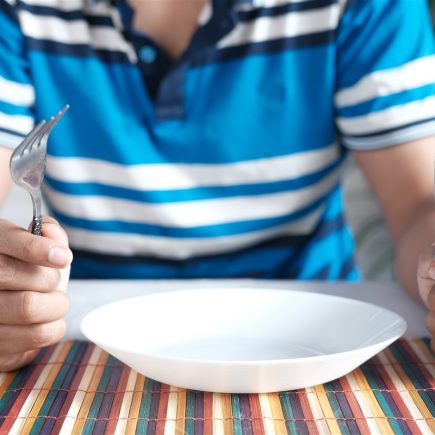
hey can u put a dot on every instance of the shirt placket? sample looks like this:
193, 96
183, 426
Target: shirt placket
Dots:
165, 79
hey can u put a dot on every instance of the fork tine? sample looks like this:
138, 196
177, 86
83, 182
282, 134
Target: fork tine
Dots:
29, 138
43, 137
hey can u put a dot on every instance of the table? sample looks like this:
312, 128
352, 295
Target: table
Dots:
75, 387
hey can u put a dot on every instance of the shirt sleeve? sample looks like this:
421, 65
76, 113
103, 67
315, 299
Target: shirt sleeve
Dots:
17, 94
385, 91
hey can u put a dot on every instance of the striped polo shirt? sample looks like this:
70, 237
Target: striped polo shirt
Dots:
225, 162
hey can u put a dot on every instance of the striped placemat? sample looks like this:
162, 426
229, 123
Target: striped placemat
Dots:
75, 387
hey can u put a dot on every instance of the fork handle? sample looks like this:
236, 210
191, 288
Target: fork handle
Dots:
37, 225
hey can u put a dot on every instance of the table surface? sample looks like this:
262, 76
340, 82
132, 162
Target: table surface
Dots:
75, 387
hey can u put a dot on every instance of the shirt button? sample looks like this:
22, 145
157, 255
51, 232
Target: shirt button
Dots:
147, 54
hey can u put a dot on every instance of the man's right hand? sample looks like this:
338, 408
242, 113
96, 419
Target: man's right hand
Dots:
32, 305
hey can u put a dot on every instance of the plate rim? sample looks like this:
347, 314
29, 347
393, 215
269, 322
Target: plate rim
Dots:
383, 343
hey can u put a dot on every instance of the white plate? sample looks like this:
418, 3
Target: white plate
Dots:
242, 340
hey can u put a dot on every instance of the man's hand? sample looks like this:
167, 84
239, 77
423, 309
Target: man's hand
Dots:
32, 305
426, 286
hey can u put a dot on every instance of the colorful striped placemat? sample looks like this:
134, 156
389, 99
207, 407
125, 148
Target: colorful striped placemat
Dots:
75, 387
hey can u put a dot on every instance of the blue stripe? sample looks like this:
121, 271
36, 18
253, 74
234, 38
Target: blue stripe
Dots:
256, 48
201, 58
182, 195
15, 133
323, 230
82, 50
392, 130
283, 9
388, 101
12, 109
205, 231
273, 259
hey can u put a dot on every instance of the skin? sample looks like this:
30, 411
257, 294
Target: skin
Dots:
31, 306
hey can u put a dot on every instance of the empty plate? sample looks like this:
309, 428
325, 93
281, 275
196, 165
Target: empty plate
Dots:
242, 340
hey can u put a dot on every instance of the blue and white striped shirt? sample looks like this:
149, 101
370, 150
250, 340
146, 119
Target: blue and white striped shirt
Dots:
226, 162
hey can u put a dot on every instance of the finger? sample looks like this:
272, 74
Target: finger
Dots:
18, 243
27, 308
16, 361
52, 230
18, 339
18, 275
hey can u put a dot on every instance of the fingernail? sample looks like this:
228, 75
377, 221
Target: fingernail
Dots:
59, 256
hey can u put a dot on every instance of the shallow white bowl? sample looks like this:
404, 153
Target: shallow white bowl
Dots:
242, 340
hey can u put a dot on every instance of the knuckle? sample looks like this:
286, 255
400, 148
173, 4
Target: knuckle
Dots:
46, 219
30, 246
41, 335
45, 334
50, 278
8, 270
28, 307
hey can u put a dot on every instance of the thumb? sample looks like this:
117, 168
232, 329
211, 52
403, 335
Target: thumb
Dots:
52, 230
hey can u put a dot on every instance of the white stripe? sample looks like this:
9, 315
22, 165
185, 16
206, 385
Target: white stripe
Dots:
79, 397
72, 32
218, 414
266, 413
171, 413
390, 139
9, 140
182, 176
62, 5
126, 403
419, 72
316, 409
174, 248
283, 26
188, 214
16, 93
19, 123
272, 3
389, 118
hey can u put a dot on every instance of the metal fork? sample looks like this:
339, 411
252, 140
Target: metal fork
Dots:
27, 165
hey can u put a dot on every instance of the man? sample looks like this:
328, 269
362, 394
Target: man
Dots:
205, 140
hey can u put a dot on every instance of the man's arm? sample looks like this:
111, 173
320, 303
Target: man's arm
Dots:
5, 179
402, 178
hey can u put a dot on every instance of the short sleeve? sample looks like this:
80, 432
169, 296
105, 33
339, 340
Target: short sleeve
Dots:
17, 94
385, 89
